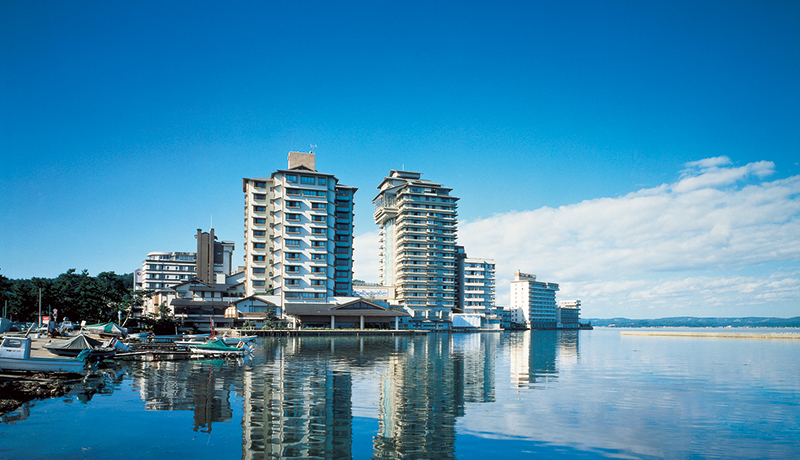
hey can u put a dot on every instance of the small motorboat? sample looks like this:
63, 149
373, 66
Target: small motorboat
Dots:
15, 355
106, 330
217, 347
75, 345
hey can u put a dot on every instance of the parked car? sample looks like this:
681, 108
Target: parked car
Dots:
67, 325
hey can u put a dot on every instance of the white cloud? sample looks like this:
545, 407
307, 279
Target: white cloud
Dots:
365, 257
710, 244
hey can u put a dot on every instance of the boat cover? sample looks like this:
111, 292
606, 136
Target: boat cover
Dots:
216, 345
76, 344
107, 328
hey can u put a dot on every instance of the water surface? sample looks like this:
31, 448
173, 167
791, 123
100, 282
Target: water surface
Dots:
568, 394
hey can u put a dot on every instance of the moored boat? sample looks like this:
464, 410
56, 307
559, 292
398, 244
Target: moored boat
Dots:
75, 345
15, 355
106, 329
217, 347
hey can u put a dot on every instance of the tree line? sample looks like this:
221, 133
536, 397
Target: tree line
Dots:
77, 296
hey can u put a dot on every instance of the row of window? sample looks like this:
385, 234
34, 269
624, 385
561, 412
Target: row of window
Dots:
314, 218
304, 295
307, 179
298, 204
296, 256
179, 268
304, 192
296, 269
296, 282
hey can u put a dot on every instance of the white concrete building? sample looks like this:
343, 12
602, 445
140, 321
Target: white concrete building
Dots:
536, 300
476, 284
166, 269
417, 220
298, 233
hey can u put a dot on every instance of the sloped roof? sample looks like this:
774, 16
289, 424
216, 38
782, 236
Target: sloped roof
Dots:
256, 299
354, 308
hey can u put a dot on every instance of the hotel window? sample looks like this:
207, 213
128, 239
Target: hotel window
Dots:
319, 205
342, 262
259, 258
307, 180
259, 196
318, 218
321, 181
258, 283
260, 208
340, 274
318, 231
317, 269
259, 245
293, 255
317, 256
259, 271
293, 268
293, 217
293, 191
292, 295
318, 244
292, 282
291, 178
292, 204
292, 242
261, 185
292, 229
259, 233
318, 282
258, 220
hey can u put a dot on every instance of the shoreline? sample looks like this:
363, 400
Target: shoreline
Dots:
724, 335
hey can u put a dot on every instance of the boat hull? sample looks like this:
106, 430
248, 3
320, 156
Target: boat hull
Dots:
42, 365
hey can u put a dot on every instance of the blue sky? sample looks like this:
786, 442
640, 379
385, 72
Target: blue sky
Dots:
644, 155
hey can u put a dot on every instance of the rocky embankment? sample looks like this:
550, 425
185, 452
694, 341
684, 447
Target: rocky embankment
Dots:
16, 391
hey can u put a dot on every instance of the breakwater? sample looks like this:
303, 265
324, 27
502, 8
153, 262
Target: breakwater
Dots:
721, 335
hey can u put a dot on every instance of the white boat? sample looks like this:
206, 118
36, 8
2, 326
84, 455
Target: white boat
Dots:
218, 347
105, 329
230, 341
15, 355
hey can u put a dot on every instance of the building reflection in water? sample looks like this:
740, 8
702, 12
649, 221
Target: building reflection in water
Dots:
297, 396
202, 387
297, 406
533, 355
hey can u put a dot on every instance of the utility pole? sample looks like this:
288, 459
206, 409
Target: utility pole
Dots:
40, 308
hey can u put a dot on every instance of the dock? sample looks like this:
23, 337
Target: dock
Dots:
718, 335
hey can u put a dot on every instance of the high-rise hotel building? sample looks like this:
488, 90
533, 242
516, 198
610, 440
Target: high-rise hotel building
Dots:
298, 233
535, 299
417, 220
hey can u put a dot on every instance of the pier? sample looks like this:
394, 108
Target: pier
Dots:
717, 335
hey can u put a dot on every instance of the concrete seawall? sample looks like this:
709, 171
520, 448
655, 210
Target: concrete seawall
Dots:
719, 335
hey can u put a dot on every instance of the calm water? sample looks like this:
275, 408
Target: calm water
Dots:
588, 394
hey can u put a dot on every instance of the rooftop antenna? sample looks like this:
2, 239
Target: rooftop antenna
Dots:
313, 146
212, 221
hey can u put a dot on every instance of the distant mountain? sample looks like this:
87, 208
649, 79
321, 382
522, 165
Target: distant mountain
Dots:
689, 321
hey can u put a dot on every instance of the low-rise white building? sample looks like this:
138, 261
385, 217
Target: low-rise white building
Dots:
568, 314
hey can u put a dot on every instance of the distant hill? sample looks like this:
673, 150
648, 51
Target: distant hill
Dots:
689, 321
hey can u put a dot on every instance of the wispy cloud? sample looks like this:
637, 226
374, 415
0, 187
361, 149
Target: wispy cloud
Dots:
716, 242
